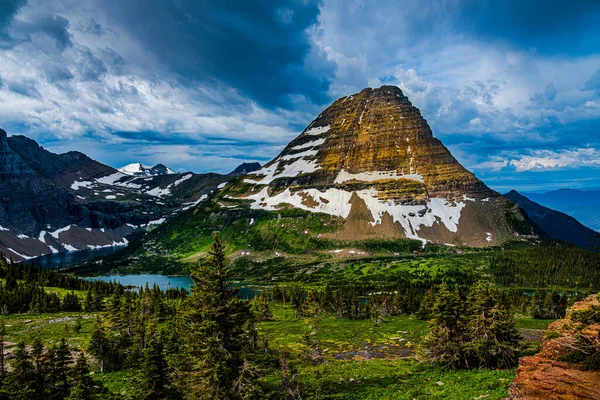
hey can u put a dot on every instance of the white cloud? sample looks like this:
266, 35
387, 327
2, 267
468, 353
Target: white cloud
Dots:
547, 159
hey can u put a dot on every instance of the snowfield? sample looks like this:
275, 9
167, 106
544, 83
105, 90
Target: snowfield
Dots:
336, 202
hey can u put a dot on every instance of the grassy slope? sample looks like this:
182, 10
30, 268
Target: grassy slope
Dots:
345, 375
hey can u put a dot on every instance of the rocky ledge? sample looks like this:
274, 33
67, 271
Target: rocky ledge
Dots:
561, 371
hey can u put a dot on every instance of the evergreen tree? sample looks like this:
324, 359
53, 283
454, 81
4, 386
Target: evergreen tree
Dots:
155, 373
2, 361
426, 305
50, 373
78, 325
538, 308
313, 307
21, 383
99, 345
246, 386
447, 331
71, 302
62, 360
213, 331
37, 353
263, 307
83, 386
88, 303
493, 340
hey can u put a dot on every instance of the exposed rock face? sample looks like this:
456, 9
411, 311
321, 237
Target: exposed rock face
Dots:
371, 158
245, 168
56, 202
544, 376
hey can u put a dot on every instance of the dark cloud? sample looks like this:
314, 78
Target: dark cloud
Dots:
54, 26
23, 87
257, 47
548, 26
593, 84
89, 67
8, 8
548, 95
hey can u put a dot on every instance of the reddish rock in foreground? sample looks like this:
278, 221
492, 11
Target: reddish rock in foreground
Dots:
544, 376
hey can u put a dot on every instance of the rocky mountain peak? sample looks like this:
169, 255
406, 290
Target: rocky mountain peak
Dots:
373, 154
139, 169
246, 167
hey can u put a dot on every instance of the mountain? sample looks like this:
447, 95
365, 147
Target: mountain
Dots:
58, 202
371, 159
365, 179
557, 225
138, 169
245, 168
580, 204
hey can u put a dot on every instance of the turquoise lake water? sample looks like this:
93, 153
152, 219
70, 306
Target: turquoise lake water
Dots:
164, 282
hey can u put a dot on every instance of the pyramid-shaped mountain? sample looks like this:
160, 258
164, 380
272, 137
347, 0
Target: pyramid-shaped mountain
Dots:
371, 159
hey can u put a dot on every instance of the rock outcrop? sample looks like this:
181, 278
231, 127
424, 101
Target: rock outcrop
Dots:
371, 159
552, 374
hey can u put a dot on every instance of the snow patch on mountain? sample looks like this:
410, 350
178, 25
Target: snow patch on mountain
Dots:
372, 176
319, 130
307, 145
139, 169
77, 184
336, 202
272, 172
59, 231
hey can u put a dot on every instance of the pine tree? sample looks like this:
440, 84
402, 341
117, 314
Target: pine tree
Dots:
62, 360
313, 307
99, 345
492, 338
538, 310
37, 352
21, 383
155, 377
447, 331
263, 307
426, 305
82, 385
2, 361
213, 331
88, 303
78, 325
50, 373
71, 302
246, 386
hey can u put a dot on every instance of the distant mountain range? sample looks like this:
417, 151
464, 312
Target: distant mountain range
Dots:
59, 202
557, 225
584, 205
